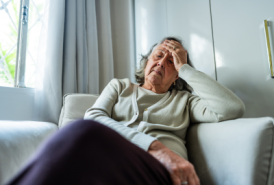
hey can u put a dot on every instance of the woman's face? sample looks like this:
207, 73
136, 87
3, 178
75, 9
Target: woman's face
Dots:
160, 69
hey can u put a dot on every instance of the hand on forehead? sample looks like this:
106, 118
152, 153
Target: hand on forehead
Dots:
163, 49
172, 43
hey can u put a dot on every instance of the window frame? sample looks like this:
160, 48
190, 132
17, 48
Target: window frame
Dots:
20, 67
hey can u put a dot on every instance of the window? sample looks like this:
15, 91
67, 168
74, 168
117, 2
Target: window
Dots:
20, 25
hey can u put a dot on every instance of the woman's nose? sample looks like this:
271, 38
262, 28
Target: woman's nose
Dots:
162, 62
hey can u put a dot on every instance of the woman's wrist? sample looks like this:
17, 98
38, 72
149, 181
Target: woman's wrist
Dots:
156, 145
178, 67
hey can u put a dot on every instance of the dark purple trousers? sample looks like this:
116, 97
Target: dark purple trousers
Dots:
89, 153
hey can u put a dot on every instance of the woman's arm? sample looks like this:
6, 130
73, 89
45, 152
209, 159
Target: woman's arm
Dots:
101, 112
214, 102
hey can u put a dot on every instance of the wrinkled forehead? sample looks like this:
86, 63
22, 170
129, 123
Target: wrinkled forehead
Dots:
160, 48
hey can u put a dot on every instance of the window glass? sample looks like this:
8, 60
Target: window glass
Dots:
9, 19
9, 22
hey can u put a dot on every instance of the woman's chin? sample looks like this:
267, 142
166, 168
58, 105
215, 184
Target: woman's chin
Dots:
155, 81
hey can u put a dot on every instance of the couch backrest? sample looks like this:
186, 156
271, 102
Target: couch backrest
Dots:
75, 106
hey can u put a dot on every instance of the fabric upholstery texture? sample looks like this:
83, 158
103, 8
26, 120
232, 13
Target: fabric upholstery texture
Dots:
75, 106
18, 141
233, 152
237, 151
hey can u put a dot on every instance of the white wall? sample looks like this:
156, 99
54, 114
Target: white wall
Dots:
16, 103
242, 62
188, 20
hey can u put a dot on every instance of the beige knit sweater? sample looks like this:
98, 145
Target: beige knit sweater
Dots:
167, 116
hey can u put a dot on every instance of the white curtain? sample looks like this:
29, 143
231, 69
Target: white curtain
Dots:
69, 53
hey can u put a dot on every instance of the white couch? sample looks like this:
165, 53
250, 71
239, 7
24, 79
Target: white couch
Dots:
18, 141
234, 152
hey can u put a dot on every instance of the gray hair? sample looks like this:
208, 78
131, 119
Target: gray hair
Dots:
140, 73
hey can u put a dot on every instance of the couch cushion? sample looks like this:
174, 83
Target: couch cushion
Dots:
236, 151
18, 141
75, 106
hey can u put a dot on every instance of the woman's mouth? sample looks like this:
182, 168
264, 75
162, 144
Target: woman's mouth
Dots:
157, 72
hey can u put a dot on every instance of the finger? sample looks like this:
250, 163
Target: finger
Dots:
187, 173
192, 177
181, 53
183, 172
183, 177
192, 180
175, 56
172, 46
177, 45
175, 179
170, 49
197, 180
173, 42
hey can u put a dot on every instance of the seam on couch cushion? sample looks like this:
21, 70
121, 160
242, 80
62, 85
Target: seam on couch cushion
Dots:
270, 179
61, 117
62, 112
63, 109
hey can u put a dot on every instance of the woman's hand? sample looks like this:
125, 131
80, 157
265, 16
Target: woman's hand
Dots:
179, 54
180, 169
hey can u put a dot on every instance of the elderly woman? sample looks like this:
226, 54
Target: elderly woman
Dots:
156, 113
153, 115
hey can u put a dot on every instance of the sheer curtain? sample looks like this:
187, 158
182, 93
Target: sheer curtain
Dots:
69, 53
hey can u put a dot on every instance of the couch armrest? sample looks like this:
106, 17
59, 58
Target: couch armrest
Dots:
18, 141
233, 152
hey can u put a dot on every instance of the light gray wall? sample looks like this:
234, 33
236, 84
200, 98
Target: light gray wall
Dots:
16, 103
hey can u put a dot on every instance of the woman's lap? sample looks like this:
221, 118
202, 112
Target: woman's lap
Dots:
87, 152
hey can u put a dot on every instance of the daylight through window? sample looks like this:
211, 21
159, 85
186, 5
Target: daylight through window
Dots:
11, 72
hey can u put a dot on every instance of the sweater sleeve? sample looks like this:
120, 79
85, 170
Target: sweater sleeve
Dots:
214, 102
101, 112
